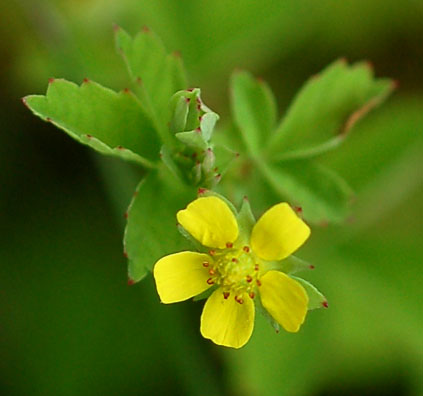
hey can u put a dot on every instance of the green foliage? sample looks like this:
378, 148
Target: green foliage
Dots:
151, 230
315, 298
162, 120
323, 112
155, 75
326, 108
254, 110
111, 123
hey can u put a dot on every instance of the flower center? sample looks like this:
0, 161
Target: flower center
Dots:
236, 271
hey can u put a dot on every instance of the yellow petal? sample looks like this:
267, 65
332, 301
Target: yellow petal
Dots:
210, 221
278, 233
285, 299
181, 276
227, 322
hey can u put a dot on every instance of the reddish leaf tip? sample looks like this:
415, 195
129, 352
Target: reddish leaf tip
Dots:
311, 266
89, 136
125, 254
325, 304
126, 90
395, 84
245, 198
116, 27
201, 191
138, 80
24, 102
48, 119
176, 54
125, 215
298, 209
51, 80
131, 282
145, 29
85, 80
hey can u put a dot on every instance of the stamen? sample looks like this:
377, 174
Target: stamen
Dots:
226, 295
239, 300
256, 267
212, 252
234, 260
246, 249
210, 281
212, 271
258, 282
206, 264
252, 295
249, 279
229, 245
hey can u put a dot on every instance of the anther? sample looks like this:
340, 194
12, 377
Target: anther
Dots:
258, 282
234, 260
212, 252
256, 267
212, 271
226, 295
206, 264
210, 281
229, 245
239, 300
246, 249
249, 279
252, 295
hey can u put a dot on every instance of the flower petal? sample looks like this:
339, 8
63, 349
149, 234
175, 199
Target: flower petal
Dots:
210, 221
227, 322
285, 299
181, 276
278, 233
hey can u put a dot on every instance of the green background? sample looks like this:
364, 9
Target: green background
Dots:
70, 325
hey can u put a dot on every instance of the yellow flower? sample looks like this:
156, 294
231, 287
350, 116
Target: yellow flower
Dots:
239, 265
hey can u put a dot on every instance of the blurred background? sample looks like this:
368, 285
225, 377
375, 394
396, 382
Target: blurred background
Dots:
70, 324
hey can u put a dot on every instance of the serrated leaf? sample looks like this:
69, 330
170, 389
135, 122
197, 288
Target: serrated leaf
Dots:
323, 195
151, 230
315, 298
157, 74
111, 123
326, 108
253, 109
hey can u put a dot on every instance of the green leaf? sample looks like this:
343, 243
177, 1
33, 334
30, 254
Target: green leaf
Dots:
111, 123
151, 230
246, 221
322, 194
292, 265
315, 298
326, 108
208, 121
193, 139
157, 74
253, 108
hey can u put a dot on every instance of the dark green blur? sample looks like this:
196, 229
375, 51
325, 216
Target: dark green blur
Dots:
70, 324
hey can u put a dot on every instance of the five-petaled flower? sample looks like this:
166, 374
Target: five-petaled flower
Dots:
240, 266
